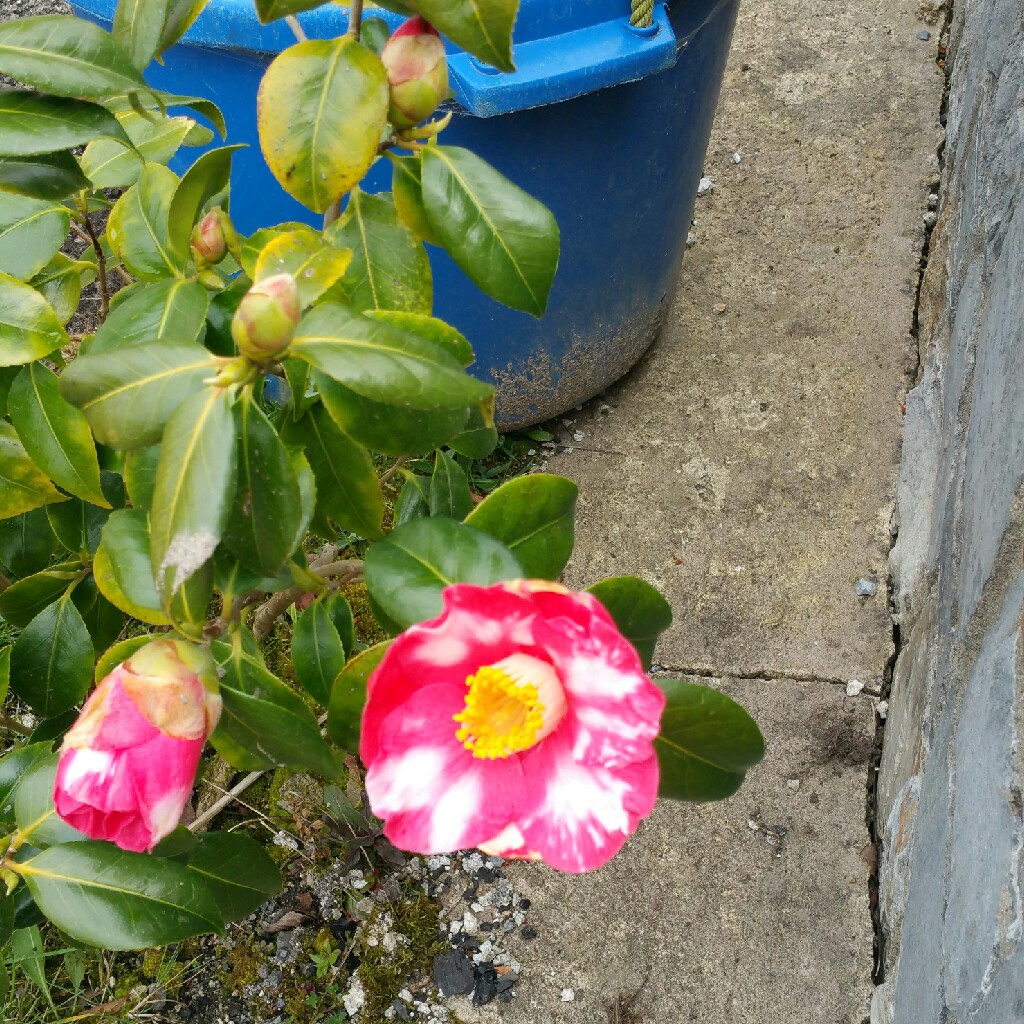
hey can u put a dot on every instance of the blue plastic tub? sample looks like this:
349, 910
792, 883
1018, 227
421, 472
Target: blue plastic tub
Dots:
606, 124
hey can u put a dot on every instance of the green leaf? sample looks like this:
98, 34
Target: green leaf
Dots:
238, 871
381, 363
118, 900
390, 268
314, 264
77, 524
385, 428
55, 434
144, 312
195, 481
264, 724
61, 281
321, 109
33, 123
5, 676
340, 611
260, 239
413, 500
503, 239
13, 768
480, 436
270, 10
29, 328
155, 138
481, 27
347, 489
51, 176
103, 620
348, 696
31, 232
66, 57
429, 328
51, 662
22, 486
6, 931
206, 178
37, 818
23, 601
267, 510
707, 743
317, 652
26, 542
180, 16
139, 229
640, 612
119, 652
138, 27
200, 104
29, 954
128, 395
449, 489
140, 475
123, 567
535, 516
407, 190
406, 572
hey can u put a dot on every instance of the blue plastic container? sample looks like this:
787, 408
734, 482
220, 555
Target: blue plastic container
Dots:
606, 124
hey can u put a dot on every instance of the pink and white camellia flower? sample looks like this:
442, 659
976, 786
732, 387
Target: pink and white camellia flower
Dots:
128, 763
520, 721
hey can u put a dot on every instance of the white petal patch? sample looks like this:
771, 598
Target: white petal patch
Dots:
407, 781
580, 797
594, 677
434, 649
165, 814
86, 761
460, 803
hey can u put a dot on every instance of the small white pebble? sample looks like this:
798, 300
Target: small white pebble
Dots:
568, 995
568, 423
883, 709
691, 240
853, 687
604, 408
706, 185
793, 784
532, 451
752, 825
736, 158
578, 435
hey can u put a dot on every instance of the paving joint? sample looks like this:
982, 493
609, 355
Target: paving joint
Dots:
757, 675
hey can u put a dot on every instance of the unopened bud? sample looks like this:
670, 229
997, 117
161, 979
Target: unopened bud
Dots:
213, 237
417, 68
267, 316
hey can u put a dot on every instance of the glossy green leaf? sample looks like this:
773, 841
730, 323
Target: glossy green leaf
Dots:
32, 123
61, 281
479, 437
348, 696
269, 10
155, 138
144, 312
6, 931
77, 524
138, 27
13, 768
386, 428
31, 232
640, 612
266, 514
119, 652
222, 310
503, 239
374, 34
200, 104
407, 191
346, 480
449, 489
50, 176
481, 27
103, 620
140, 475
707, 743
5, 672
382, 363
139, 229
51, 662
29, 327
7, 376
390, 268
26, 542
123, 566
206, 178
28, 954
264, 724
237, 871
180, 16
66, 57
37, 818
406, 572
429, 328
534, 515
314, 264
21, 602
128, 395
413, 500
55, 433
23, 486
321, 109
118, 900
317, 652
260, 239
195, 480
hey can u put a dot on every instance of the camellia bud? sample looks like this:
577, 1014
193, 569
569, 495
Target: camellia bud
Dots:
417, 68
267, 316
213, 237
128, 764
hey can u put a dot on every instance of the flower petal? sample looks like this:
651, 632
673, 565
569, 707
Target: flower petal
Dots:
432, 794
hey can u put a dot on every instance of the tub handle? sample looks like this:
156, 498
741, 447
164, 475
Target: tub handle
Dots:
566, 66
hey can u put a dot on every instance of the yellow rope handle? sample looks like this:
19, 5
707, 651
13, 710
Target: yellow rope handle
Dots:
643, 13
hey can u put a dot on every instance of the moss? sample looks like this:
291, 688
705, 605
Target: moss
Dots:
368, 629
276, 648
243, 963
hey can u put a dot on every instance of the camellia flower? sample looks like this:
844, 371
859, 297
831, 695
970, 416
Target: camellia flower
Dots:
128, 763
520, 721
417, 68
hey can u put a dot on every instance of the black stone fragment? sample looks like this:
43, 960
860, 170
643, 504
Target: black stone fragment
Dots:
486, 874
453, 973
506, 982
528, 932
486, 985
402, 1011
525, 904
506, 996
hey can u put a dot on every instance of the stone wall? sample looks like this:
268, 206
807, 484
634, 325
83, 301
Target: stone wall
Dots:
950, 787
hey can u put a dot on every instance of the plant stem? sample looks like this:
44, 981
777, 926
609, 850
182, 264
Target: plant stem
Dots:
389, 473
341, 572
355, 17
297, 31
101, 269
12, 726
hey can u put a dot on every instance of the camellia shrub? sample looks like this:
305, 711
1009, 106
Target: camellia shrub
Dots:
257, 425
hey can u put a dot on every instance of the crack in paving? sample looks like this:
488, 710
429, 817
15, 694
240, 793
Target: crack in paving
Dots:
757, 675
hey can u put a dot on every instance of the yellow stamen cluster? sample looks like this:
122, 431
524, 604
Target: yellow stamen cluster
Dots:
503, 715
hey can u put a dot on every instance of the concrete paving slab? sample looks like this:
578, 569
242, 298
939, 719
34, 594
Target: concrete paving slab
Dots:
748, 466
749, 911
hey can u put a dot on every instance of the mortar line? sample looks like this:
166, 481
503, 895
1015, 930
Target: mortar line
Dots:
760, 674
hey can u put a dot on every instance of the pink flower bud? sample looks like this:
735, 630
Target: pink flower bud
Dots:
267, 316
417, 68
128, 764
212, 237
